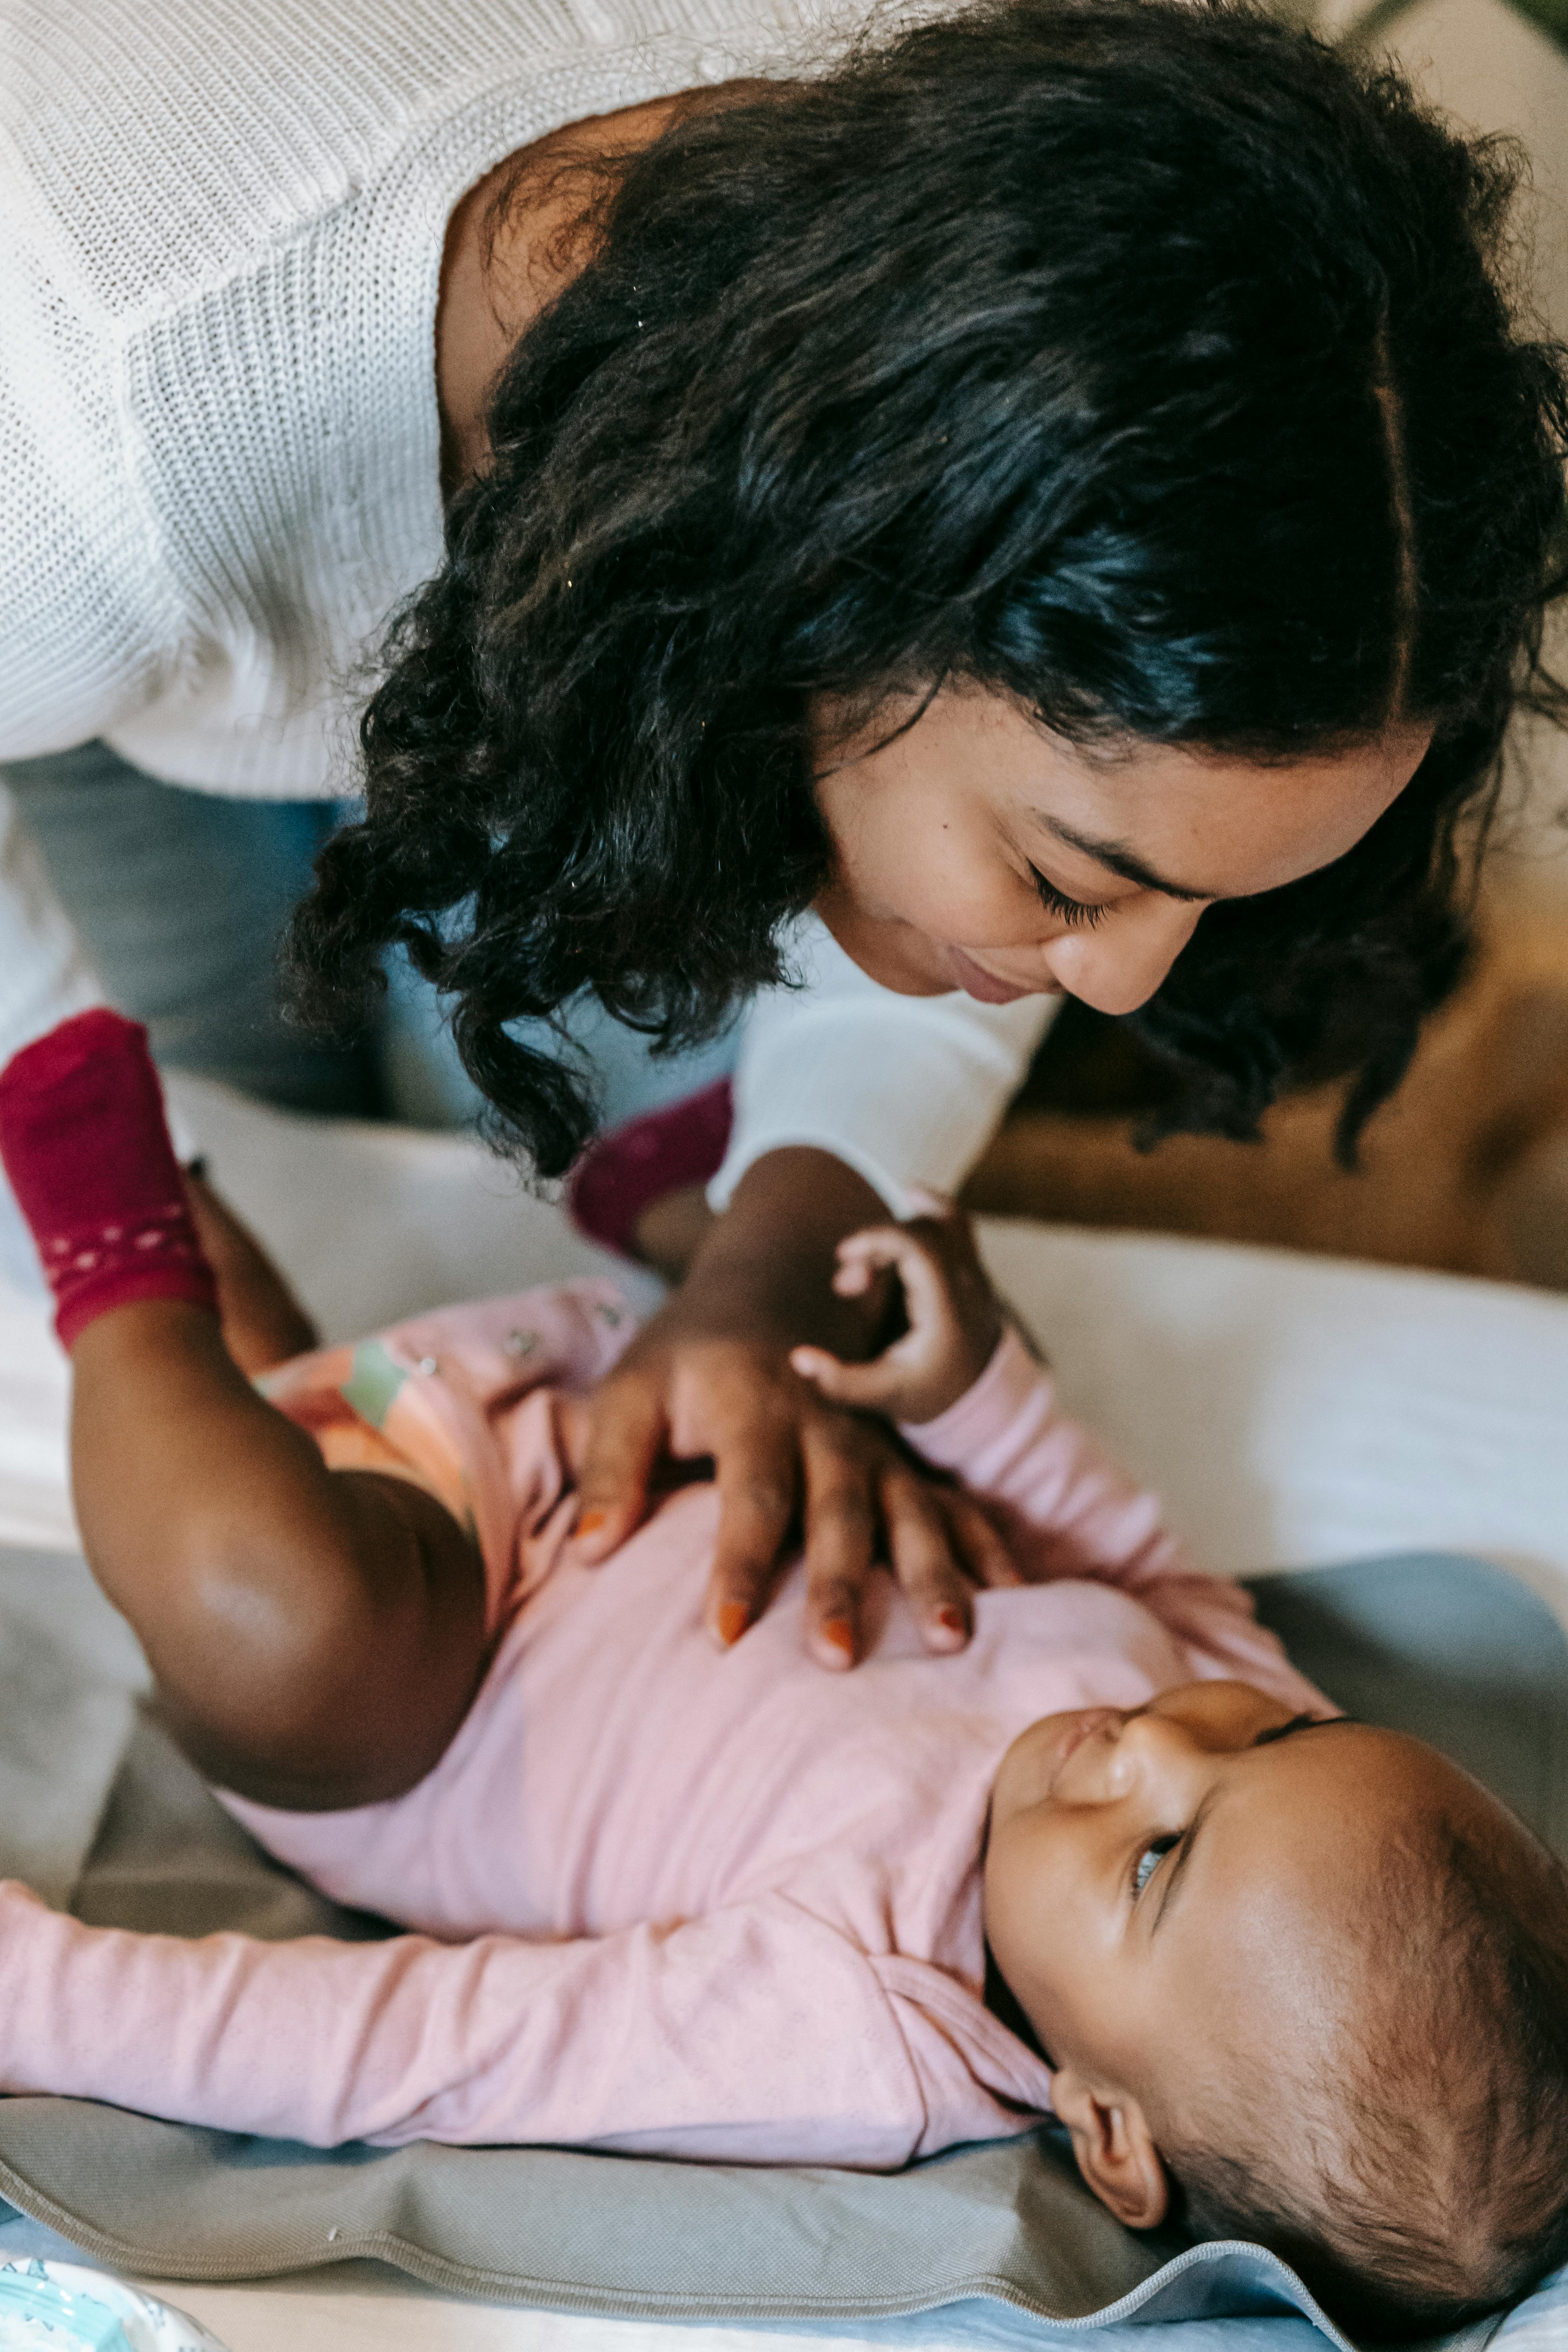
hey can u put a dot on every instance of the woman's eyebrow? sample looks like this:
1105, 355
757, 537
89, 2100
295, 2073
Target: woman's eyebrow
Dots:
1121, 860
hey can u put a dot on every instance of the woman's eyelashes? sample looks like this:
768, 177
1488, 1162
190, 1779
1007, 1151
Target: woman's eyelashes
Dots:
1069, 910
1149, 1861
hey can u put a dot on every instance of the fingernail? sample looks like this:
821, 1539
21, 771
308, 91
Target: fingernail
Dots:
841, 1633
733, 1620
592, 1521
951, 1618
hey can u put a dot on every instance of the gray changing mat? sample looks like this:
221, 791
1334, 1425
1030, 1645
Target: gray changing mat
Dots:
1453, 1649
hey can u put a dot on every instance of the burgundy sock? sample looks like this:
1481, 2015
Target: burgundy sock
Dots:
85, 1145
625, 1169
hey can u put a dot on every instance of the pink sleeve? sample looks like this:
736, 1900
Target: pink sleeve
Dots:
1067, 1509
756, 2035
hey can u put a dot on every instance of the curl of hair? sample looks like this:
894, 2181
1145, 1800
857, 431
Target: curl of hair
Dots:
1149, 363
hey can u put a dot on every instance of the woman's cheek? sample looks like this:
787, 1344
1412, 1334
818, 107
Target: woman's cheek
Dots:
953, 891
910, 858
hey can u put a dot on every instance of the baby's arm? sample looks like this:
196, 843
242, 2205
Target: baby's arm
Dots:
314, 1636
1067, 1507
757, 2034
971, 1399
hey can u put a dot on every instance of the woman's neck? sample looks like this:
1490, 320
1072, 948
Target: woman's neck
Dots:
508, 252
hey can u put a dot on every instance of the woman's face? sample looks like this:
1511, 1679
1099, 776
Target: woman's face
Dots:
977, 851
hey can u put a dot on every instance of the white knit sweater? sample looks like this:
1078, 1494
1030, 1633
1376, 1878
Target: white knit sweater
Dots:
219, 439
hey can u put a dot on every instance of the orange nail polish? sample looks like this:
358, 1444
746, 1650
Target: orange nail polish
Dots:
951, 1618
592, 1521
841, 1633
733, 1621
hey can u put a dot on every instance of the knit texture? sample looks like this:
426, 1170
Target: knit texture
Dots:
220, 442
219, 438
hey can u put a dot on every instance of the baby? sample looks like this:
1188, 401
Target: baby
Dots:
1284, 1976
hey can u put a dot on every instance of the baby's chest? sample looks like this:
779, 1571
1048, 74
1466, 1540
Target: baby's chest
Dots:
673, 1780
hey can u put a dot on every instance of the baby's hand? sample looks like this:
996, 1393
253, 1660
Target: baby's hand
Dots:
954, 1316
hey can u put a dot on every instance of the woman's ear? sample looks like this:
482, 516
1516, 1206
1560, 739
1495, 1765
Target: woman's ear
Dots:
1115, 2150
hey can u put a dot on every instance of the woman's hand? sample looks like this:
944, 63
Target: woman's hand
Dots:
954, 1317
711, 1377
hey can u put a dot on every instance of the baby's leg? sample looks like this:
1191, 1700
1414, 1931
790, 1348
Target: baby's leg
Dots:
315, 1637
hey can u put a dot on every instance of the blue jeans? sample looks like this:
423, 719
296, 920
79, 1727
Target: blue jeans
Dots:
182, 898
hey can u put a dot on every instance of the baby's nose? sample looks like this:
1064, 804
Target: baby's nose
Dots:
1147, 1740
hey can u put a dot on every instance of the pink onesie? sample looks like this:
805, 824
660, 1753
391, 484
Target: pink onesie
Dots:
665, 1899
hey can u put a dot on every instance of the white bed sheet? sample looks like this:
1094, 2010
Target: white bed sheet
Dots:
1293, 1409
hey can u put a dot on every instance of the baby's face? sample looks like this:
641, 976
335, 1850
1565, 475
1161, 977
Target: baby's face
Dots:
1166, 1883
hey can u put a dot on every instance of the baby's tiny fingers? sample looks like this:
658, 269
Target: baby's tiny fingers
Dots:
852, 1277
864, 1387
925, 1201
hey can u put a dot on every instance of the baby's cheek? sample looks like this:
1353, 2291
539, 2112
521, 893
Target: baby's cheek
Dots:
1028, 1911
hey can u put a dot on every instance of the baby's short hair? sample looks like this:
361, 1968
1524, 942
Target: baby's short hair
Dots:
1422, 2179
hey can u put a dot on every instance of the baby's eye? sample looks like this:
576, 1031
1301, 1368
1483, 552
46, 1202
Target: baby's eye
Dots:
1149, 1861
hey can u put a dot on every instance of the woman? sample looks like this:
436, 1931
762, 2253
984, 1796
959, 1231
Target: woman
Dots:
1051, 500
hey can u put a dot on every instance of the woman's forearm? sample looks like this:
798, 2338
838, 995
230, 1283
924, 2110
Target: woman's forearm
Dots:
766, 1264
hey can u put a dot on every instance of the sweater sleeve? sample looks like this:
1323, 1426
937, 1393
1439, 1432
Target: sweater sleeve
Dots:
1068, 1510
755, 2034
903, 1089
89, 631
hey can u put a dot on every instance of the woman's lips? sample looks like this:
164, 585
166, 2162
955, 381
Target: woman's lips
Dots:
984, 986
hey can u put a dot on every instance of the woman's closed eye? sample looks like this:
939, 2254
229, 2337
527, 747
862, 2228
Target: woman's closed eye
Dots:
1070, 910
1149, 1861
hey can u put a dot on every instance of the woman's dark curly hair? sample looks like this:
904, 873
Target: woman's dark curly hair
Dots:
1151, 363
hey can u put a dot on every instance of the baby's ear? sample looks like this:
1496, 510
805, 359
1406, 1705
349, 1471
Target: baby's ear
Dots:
1115, 2150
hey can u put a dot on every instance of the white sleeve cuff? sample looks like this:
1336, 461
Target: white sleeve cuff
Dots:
907, 1090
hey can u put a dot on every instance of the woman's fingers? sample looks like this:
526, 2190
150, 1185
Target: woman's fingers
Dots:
941, 1546
973, 1536
839, 1535
757, 1470
790, 1465
627, 1429
924, 1558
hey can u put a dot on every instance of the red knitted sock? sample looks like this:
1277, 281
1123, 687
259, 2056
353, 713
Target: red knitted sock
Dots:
627, 1169
85, 1145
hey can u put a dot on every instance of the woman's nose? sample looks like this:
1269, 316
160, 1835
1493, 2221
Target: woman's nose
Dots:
1118, 966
